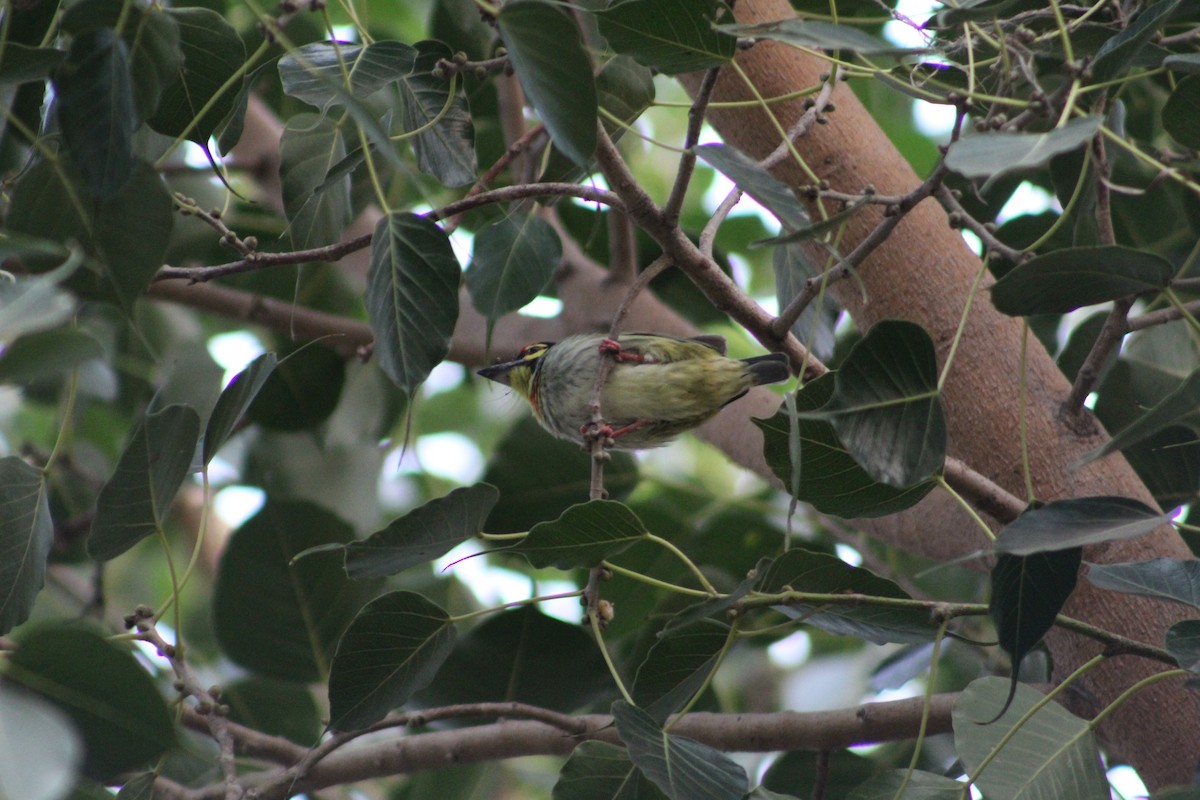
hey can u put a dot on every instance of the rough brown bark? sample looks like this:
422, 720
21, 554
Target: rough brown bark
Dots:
923, 273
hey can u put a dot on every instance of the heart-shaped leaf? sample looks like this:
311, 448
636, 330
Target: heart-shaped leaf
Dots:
26, 533
1064, 280
1077, 522
583, 536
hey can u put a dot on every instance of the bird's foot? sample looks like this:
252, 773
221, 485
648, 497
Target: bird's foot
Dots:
597, 431
611, 347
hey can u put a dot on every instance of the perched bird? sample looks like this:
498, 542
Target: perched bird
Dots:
659, 386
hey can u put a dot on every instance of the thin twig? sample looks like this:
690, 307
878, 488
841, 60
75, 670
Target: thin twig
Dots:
1162, 316
986, 235
800, 127
687, 161
708, 235
515, 149
1115, 328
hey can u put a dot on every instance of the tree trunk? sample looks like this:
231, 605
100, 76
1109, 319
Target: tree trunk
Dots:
924, 273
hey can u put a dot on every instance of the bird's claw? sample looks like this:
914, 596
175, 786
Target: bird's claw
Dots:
611, 347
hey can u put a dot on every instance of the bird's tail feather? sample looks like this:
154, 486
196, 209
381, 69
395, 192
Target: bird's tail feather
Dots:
771, 368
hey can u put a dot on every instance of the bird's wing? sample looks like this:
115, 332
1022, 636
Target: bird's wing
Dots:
656, 345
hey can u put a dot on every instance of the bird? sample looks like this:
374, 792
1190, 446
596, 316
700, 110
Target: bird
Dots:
659, 386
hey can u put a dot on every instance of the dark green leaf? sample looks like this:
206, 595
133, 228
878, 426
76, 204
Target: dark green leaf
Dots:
212, 54
1179, 403
140, 787
20, 63
1164, 578
392, 649
1065, 280
445, 149
26, 533
670, 36
47, 204
1027, 594
132, 230
815, 229
602, 771
583, 536
317, 209
1183, 62
278, 617
1183, 642
684, 769
423, 534
792, 268
314, 73
522, 656
135, 500
802, 774
1116, 53
990, 155
540, 477
151, 36
106, 693
43, 761
46, 354
916, 785
301, 391
555, 72
971, 11
772, 193
1052, 756
1168, 462
1181, 114
677, 666
512, 261
234, 401
1077, 522
819, 35
885, 406
830, 479
94, 98
412, 297
276, 708
810, 572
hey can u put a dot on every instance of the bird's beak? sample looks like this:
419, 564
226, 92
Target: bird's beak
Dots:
499, 372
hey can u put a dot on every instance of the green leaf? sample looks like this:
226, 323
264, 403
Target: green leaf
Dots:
445, 149
1053, 756
20, 63
917, 785
806, 571
392, 649
1064, 280
1183, 642
134, 502
602, 771
276, 708
1027, 594
1077, 522
1118, 52
47, 354
212, 55
1164, 578
26, 534
1183, 62
302, 390
676, 667
682, 768
42, 762
234, 401
522, 656
973, 10
819, 35
1181, 113
540, 477
152, 39
47, 204
583, 536
772, 193
1178, 404
29, 304
671, 36
512, 261
885, 406
801, 774
132, 231
412, 297
555, 72
277, 616
109, 697
139, 787
830, 479
314, 72
1168, 462
317, 208
95, 107
792, 268
991, 155
423, 534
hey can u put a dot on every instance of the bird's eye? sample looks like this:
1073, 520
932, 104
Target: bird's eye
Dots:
530, 350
